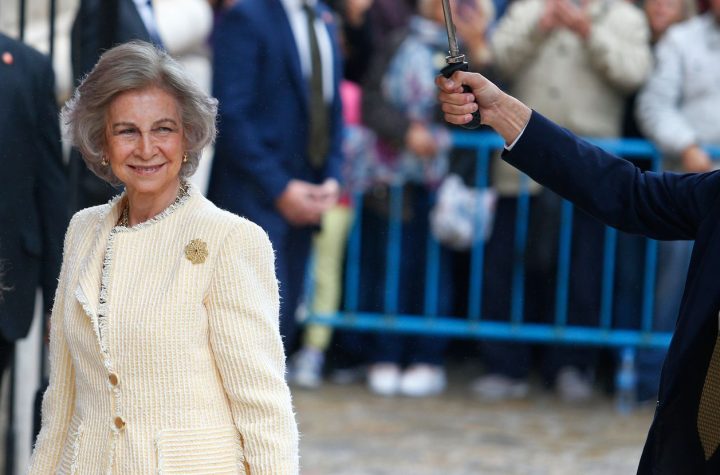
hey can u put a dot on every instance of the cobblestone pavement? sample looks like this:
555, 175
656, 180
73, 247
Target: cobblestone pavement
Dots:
347, 431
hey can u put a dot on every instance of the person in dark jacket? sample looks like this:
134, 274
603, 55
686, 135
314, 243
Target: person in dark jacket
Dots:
33, 209
685, 433
281, 170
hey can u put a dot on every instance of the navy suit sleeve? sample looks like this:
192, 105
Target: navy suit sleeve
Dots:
51, 185
238, 80
665, 206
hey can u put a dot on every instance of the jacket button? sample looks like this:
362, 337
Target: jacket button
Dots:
119, 422
113, 379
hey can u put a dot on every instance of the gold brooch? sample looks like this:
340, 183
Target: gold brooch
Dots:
196, 251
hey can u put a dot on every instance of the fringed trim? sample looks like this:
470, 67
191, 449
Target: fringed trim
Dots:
186, 190
104, 283
74, 463
80, 296
111, 455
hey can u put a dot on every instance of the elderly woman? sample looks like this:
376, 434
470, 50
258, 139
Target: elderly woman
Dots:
164, 346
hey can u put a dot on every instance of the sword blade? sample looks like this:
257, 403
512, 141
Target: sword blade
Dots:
450, 27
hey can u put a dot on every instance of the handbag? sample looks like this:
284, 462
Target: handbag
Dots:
462, 216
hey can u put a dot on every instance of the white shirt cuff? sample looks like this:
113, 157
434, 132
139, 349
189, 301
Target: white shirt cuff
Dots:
510, 147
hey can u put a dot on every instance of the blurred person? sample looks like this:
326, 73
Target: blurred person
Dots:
389, 17
661, 15
678, 107
413, 144
34, 208
564, 59
357, 36
98, 26
329, 243
327, 263
673, 256
165, 353
281, 170
685, 432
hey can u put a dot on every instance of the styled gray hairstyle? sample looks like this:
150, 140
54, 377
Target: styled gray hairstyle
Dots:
134, 66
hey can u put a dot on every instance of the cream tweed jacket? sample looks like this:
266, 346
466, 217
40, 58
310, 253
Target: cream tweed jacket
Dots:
165, 352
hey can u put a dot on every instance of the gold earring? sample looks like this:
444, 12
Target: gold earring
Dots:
185, 158
103, 162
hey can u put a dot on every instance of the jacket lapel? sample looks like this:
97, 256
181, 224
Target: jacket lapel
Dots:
90, 271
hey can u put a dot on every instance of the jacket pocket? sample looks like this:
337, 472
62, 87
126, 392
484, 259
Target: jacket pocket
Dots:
210, 451
69, 462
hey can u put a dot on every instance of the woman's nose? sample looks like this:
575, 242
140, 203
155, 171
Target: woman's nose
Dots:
146, 147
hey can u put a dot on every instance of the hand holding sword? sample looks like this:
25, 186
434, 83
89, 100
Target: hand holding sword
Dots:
455, 60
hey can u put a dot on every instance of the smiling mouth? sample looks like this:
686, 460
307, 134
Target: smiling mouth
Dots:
146, 170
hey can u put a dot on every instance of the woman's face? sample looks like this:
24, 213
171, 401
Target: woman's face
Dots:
662, 14
145, 140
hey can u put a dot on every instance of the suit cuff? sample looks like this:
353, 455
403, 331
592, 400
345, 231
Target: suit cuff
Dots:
510, 147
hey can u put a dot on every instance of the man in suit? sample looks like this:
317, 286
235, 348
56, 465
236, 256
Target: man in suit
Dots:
99, 25
685, 432
277, 157
33, 208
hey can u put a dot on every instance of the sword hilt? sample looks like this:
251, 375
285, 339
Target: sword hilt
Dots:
448, 71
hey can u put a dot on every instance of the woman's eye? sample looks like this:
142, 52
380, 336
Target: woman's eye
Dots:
127, 131
164, 130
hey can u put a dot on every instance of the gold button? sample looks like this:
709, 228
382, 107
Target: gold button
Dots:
113, 379
119, 422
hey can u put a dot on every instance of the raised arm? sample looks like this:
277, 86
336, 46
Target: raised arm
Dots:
662, 206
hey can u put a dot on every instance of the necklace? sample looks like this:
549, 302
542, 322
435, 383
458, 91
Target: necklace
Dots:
124, 219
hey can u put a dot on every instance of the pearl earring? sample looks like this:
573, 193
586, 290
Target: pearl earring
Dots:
103, 162
185, 157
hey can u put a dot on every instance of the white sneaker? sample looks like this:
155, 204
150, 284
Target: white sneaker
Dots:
572, 386
423, 380
496, 387
307, 368
384, 379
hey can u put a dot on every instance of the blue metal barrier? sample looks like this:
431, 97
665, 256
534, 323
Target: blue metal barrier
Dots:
515, 328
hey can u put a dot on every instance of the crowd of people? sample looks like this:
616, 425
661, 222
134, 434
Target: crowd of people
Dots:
598, 68
319, 102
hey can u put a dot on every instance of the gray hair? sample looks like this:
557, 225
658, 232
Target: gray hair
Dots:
134, 66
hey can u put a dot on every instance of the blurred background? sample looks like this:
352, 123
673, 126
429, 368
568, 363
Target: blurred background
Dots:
455, 317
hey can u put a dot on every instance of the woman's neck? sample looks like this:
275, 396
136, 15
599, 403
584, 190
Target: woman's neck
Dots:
144, 206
